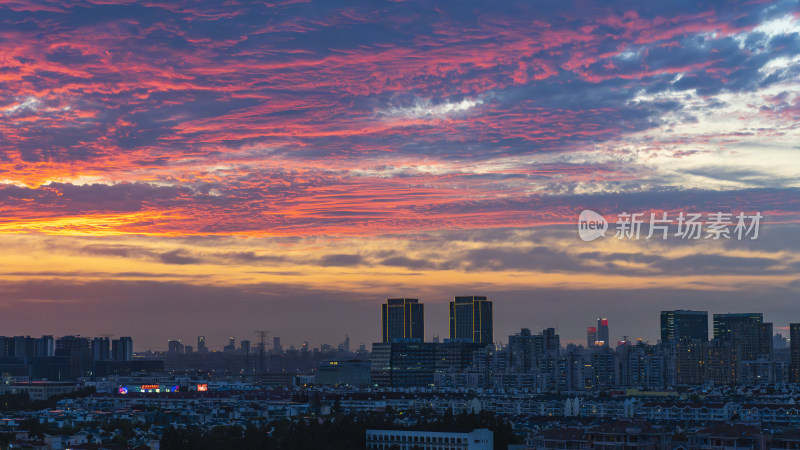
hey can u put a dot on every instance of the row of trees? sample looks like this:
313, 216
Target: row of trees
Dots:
21, 402
339, 432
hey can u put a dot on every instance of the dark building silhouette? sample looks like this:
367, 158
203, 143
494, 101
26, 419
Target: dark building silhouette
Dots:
794, 350
684, 325
101, 349
175, 346
402, 318
747, 331
471, 319
125, 368
526, 350
403, 364
591, 337
602, 332
79, 351
352, 373
122, 349
201, 344
46, 346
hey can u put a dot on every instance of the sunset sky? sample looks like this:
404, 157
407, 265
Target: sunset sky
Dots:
173, 168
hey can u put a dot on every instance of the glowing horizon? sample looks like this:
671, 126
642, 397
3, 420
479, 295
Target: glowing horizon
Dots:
220, 159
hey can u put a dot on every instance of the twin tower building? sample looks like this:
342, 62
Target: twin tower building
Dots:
470, 320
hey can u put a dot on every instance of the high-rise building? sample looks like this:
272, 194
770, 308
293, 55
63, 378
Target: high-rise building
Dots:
726, 326
79, 351
602, 332
747, 331
277, 348
122, 349
244, 344
591, 337
402, 318
684, 325
526, 350
101, 349
46, 346
603, 368
175, 346
24, 346
520, 351
231, 345
765, 341
794, 351
551, 342
471, 319
201, 344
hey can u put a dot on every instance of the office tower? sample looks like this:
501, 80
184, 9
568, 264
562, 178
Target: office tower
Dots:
794, 351
684, 325
403, 364
602, 332
188, 349
245, 346
402, 318
747, 332
471, 319
175, 346
122, 349
101, 349
591, 337
276, 345
436, 338
201, 344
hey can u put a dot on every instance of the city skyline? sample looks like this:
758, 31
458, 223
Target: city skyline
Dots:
615, 338
198, 168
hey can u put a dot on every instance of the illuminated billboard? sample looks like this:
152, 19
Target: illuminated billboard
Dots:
148, 388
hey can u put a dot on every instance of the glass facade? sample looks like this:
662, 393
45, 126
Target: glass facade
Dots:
402, 318
684, 325
471, 320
